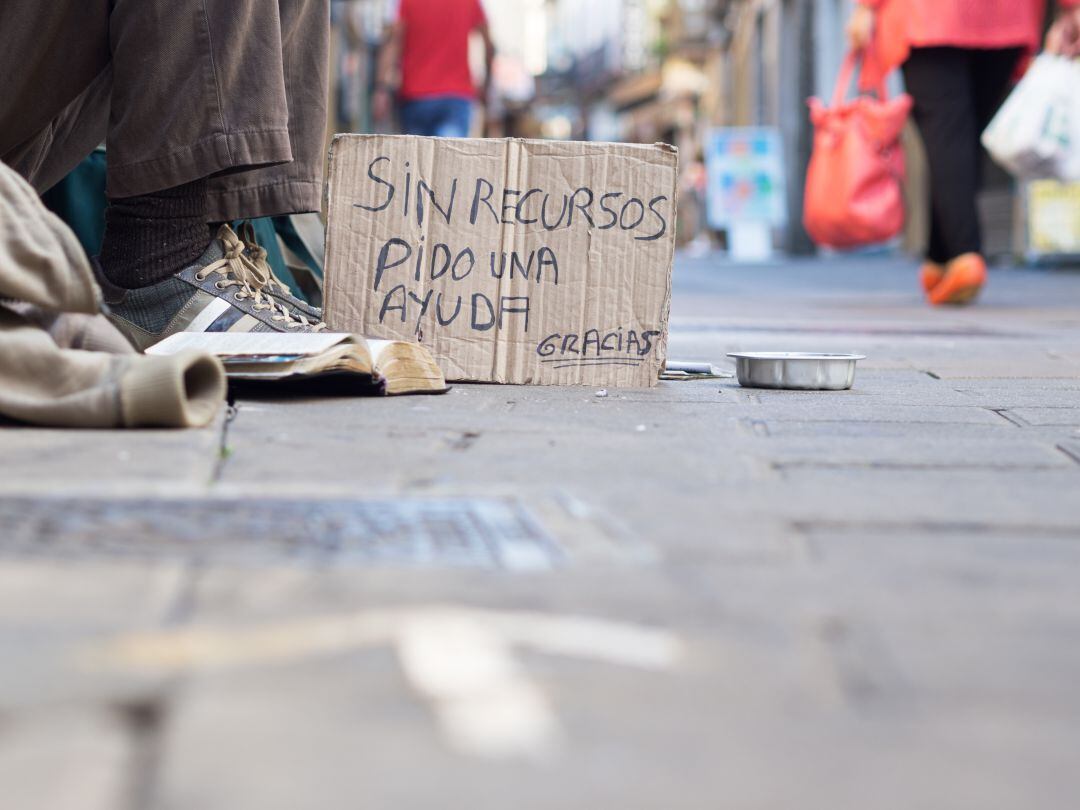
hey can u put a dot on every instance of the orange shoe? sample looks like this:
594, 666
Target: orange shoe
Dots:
931, 274
964, 278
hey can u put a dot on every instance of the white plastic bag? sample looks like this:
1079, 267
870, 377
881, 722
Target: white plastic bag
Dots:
1036, 134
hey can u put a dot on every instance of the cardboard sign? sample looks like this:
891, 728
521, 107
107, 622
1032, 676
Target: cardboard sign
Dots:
511, 261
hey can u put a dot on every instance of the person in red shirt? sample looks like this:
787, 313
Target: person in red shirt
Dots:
958, 57
428, 46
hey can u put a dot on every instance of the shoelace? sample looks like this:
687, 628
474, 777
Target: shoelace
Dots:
257, 255
238, 270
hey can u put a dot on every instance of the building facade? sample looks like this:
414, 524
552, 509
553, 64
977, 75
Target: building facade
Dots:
671, 70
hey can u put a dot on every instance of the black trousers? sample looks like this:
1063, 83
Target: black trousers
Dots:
956, 92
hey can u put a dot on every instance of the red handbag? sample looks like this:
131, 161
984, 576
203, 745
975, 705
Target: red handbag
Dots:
854, 186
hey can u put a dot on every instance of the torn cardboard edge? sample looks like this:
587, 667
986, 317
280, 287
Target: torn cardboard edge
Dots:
512, 261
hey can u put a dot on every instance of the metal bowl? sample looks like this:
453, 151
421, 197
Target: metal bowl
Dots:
800, 371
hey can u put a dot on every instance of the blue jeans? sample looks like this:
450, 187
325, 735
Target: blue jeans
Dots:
443, 116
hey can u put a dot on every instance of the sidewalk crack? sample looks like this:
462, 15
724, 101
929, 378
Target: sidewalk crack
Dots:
145, 720
224, 450
1071, 453
1011, 418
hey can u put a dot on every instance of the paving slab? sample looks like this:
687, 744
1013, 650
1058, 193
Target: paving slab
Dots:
1058, 416
752, 598
914, 451
885, 387
853, 407
128, 462
1013, 578
324, 733
1033, 367
55, 606
1011, 498
1006, 394
999, 430
68, 759
1071, 449
43, 591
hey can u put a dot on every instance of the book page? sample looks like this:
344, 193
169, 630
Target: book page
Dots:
377, 347
228, 344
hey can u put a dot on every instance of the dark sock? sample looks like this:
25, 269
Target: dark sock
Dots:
150, 237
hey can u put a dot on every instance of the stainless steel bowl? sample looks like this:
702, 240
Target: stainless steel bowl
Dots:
801, 371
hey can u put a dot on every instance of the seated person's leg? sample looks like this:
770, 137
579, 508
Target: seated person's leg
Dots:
208, 126
196, 99
303, 61
57, 80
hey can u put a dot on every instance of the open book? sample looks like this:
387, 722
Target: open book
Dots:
383, 366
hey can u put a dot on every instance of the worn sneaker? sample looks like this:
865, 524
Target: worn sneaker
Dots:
275, 287
930, 275
223, 291
963, 281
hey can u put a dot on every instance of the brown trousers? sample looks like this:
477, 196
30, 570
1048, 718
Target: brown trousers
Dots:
235, 90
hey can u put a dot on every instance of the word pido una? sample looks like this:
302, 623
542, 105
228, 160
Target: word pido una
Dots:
480, 312
441, 261
594, 343
481, 202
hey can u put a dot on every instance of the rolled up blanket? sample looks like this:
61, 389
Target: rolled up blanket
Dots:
61, 363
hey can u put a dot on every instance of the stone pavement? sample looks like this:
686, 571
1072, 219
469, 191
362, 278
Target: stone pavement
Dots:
696, 596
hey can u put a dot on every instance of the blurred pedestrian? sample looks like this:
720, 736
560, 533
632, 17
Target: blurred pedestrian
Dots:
425, 62
958, 57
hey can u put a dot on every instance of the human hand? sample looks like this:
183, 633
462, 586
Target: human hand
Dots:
1064, 35
380, 104
860, 27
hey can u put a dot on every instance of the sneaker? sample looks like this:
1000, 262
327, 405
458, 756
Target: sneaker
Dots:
931, 274
964, 279
221, 292
274, 286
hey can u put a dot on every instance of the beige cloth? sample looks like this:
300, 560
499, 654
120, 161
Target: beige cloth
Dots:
62, 363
